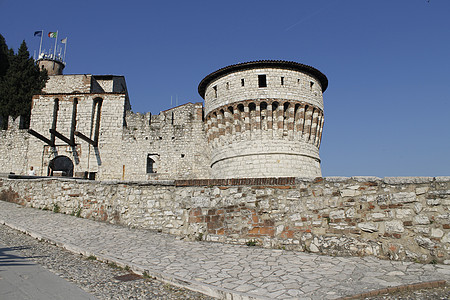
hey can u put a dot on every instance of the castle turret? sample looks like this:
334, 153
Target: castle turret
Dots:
264, 119
53, 65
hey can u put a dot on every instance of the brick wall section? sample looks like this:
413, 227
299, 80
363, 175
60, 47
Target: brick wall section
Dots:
236, 181
395, 218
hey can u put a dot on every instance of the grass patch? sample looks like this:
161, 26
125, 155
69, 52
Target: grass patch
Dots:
115, 266
78, 212
199, 237
251, 243
56, 208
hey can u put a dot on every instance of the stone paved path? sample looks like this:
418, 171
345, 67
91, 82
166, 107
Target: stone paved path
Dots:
237, 272
20, 278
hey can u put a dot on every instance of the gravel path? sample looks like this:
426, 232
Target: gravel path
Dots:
441, 293
91, 275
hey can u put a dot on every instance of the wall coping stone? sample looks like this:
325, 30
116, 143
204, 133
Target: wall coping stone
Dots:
336, 178
399, 180
365, 178
442, 178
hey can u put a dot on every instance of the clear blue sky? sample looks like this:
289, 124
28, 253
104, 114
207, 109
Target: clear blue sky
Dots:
387, 107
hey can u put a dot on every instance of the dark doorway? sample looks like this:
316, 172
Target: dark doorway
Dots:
61, 163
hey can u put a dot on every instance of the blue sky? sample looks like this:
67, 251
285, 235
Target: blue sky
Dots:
387, 107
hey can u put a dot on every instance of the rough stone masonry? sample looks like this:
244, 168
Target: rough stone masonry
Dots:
397, 218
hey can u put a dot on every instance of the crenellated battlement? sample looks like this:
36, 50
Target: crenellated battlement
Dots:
14, 123
166, 146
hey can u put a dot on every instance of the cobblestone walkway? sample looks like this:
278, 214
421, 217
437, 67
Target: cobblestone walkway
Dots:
217, 269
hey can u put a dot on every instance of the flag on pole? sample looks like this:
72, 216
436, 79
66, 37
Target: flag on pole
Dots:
38, 33
52, 34
64, 41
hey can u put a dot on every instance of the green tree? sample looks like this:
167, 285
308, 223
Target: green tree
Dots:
4, 59
20, 82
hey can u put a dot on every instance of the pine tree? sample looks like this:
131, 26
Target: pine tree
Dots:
4, 59
21, 81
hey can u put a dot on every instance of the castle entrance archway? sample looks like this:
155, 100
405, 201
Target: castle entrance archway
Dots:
61, 163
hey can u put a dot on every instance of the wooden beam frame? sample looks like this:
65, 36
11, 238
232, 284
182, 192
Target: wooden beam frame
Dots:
62, 137
86, 139
41, 137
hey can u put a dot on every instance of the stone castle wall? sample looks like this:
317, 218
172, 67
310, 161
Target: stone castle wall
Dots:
174, 140
14, 148
395, 218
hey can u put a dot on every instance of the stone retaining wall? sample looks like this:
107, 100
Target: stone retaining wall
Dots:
396, 218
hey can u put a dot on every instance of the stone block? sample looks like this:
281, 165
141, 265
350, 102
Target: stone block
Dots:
350, 193
421, 220
433, 202
403, 197
422, 190
368, 227
424, 242
376, 217
394, 226
436, 233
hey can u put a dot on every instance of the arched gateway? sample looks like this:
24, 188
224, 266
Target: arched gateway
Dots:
61, 163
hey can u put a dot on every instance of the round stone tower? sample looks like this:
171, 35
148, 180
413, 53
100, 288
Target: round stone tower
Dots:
53, 66
264, 119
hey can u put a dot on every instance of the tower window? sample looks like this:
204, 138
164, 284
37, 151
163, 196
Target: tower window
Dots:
262, 82
242, 82
311, 84
215, 91
228, 85
282, 80
150, 163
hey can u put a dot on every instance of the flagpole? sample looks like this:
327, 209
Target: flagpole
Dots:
56, 40
65, 47
40, 45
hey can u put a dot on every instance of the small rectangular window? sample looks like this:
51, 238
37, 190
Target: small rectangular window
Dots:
282, 80
242, 82
215, 91
150, 163
311, 84
228, 85
262, 82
